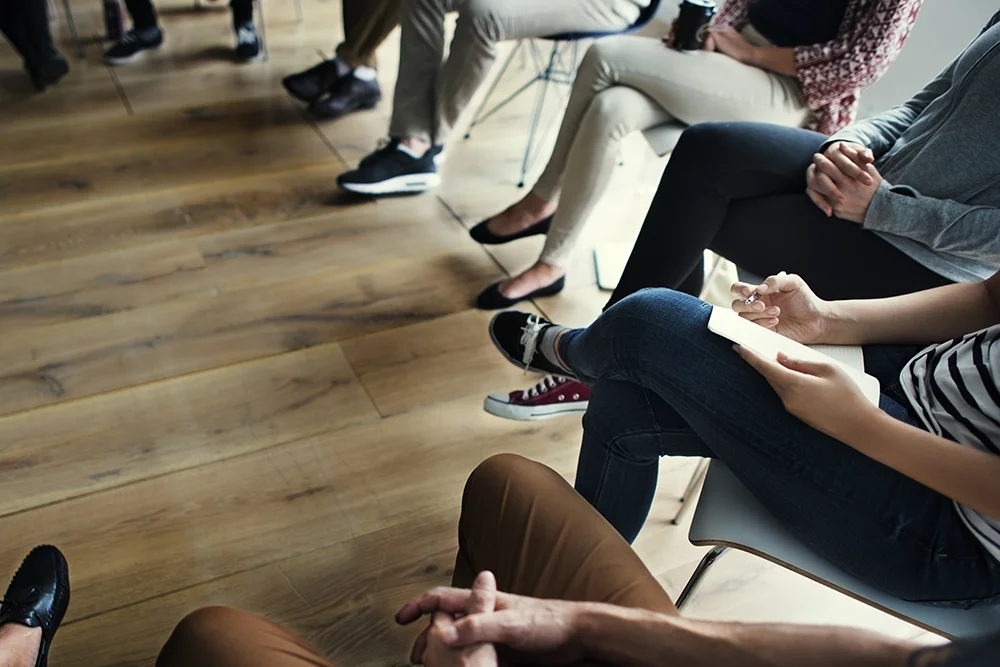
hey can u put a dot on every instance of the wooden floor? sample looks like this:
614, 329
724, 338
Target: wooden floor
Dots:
223, 382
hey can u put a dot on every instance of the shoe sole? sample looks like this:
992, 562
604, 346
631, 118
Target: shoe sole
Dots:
410, 183
130, 59
364, 106
524, 413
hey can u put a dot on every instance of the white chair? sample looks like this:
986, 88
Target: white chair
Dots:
53, 15
263, 22
729, 517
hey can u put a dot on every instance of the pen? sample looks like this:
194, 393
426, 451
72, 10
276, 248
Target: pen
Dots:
753, 299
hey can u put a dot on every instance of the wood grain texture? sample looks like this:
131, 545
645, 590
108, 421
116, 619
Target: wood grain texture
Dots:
109, 440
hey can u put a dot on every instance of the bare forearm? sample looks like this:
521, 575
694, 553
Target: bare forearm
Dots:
961, 473
774, 59
637, 638
931, 316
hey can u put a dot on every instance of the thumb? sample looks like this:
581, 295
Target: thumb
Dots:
484, 594
814, 368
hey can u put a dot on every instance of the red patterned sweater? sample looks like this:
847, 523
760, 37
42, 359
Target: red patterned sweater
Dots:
832, 74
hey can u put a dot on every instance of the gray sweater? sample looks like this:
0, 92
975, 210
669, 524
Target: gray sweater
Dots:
940, 156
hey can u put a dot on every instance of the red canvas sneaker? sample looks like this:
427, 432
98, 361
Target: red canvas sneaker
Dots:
555, 395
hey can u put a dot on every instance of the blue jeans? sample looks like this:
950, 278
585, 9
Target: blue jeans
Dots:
663, 385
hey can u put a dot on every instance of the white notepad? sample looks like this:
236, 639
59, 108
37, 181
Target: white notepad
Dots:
767, 343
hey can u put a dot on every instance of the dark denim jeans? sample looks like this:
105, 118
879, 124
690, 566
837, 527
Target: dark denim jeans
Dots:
663, 385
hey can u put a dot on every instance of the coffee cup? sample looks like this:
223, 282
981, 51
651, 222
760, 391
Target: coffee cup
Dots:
691, 28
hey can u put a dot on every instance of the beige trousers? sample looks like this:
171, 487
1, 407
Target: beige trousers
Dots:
430, 95
366, 25
626, 84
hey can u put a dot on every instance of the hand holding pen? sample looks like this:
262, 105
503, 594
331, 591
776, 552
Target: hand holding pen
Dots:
785, 304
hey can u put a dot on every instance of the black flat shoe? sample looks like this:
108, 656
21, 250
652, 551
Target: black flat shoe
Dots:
48, 73
482, 233
491, 298
38, 596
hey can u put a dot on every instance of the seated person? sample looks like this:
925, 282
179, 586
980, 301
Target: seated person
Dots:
26, 25
349, 81
618, 616
903, 496
146, 33
430, 95
774, 61
904, 201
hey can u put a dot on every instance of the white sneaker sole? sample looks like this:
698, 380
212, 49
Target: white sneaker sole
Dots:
398, 185
524, 413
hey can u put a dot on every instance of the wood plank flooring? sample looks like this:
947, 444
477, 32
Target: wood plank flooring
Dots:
224, 382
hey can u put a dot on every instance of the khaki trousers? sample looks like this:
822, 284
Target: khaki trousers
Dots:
430, 95
520, 520
626, 84
366, 25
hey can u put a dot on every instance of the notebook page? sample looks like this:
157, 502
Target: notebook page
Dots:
850, 355
767, 343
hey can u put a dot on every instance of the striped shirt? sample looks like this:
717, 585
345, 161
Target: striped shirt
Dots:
954, 390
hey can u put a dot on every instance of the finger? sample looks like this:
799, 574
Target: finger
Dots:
759, 316
776, 375
825, 167
451, 600
813, 183
859, 155
826, 187
484, 594
849, 167
742, 289
503, 627
754, 310
820, 201
779, 282
815, 368
419, 648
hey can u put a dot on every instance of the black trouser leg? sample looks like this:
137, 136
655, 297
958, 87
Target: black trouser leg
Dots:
739, 190
242, 11
26, 25
142, 12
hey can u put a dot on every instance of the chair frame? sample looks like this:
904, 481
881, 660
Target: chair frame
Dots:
559, 68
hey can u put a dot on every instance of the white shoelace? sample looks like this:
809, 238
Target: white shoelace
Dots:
529, 338
547, 383
245, 35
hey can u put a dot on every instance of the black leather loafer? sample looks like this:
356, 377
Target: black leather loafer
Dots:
38, 596
482, 233
491, 298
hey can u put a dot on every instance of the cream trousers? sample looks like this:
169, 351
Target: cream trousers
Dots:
430, 95
626, 84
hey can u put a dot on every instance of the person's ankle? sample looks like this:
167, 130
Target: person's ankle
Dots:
19, 645
416, 147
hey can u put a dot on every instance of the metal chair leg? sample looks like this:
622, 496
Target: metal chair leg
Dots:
699, 573
263, 30
72, 29
696, 479
536, 118
479, 117
298, 11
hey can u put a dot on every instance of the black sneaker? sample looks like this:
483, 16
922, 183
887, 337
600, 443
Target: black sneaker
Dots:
49, 72
132, 44
247, 41
349, 94
315, 82
517, 336
391, 170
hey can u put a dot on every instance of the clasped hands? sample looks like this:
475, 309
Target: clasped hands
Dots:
468, 626
842, 181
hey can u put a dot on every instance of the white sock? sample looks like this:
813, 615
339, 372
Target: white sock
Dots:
547, 346
365, 73
409, 151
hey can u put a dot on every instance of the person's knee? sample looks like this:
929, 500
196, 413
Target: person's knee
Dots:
203, 628
484, 18
607, 112
492, 476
